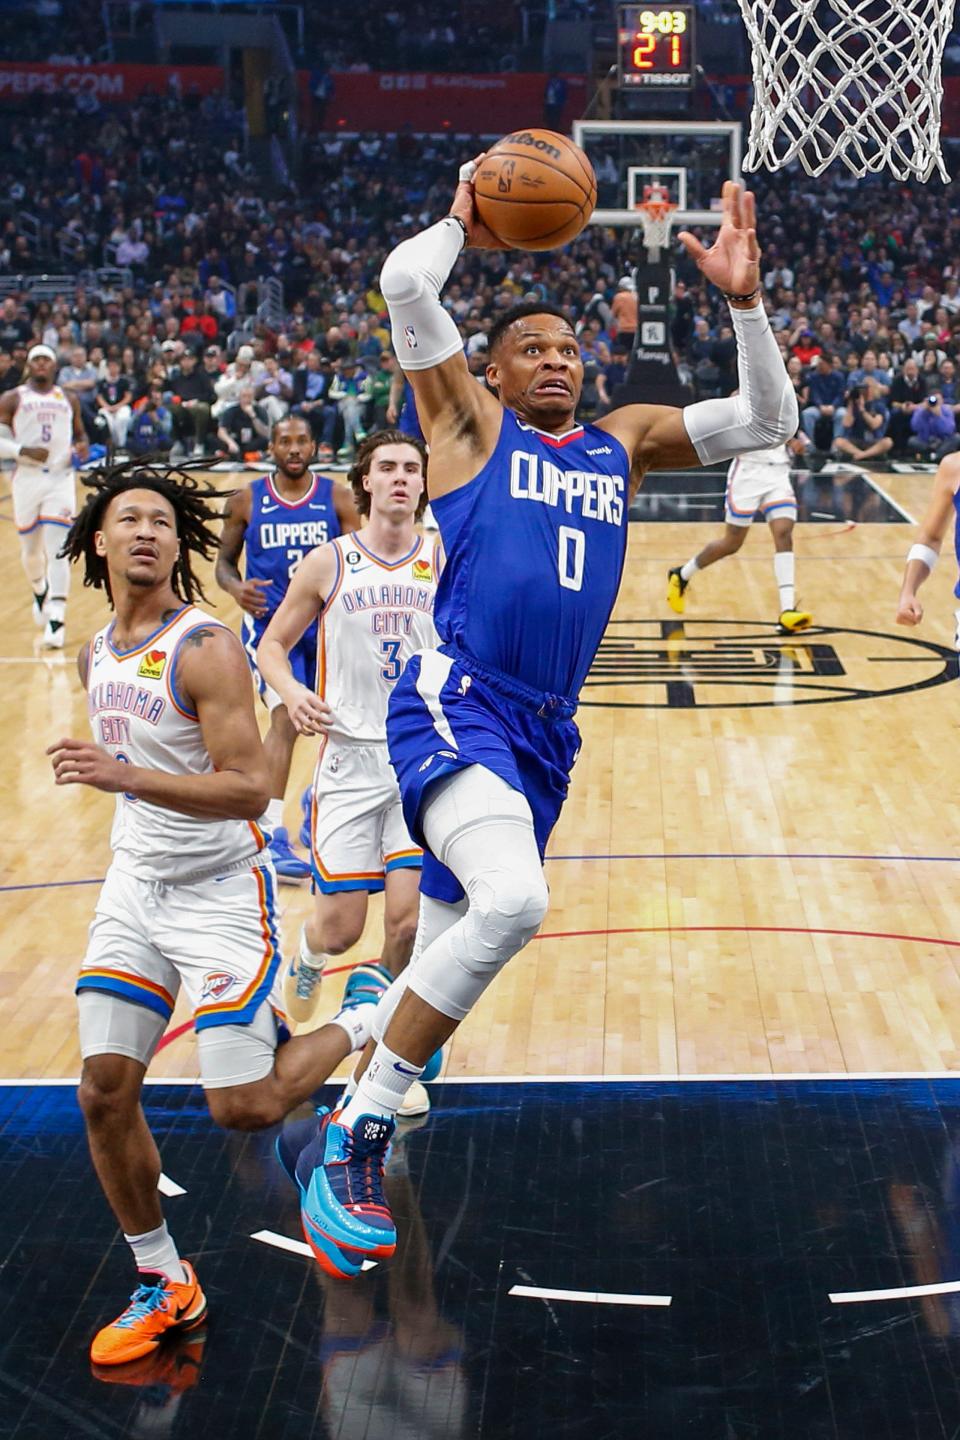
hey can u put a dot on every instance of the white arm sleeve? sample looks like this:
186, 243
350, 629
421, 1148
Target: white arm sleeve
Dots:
410, 281
764, 413
9, 449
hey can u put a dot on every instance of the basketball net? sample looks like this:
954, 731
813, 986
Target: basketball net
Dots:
656, 217
853, 80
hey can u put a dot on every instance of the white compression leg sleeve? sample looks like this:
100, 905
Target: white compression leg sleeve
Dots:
33, 556
410, 281
765, 411
482, 830
435, 918
58, 572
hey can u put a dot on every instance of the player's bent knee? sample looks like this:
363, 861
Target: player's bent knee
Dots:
245, 1107
507, 909
109, 1088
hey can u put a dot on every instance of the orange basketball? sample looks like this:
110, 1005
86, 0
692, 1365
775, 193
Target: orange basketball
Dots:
535, 190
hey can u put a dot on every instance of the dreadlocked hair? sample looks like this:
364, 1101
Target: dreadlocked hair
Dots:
182, 488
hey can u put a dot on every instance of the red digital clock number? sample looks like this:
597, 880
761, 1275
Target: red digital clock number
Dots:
656, 45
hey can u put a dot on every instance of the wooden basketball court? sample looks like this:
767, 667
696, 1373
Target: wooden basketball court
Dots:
754, 873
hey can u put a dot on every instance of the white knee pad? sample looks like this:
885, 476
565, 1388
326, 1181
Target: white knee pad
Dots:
483, 831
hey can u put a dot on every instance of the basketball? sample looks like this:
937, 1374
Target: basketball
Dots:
535, 190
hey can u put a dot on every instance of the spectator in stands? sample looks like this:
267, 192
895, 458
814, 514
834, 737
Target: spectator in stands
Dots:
907, 393
821, 418
242, 372
9, 374
312, 384
151, 431
863, 425
80, 378
623, 309
933, 426
193, 399
376, 391
244, 427
274, 389
345, 391
114, 404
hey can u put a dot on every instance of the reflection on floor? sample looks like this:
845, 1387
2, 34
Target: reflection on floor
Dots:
835, 493
714, 1230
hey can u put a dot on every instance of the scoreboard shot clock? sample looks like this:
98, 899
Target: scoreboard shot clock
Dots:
655, 46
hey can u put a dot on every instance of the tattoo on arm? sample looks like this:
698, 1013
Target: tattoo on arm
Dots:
197, 637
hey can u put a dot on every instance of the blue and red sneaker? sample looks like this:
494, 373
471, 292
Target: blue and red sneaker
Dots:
338, 1170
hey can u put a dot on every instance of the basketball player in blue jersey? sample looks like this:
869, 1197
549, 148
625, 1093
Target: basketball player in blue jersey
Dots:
532, 509
277, 520
942, 512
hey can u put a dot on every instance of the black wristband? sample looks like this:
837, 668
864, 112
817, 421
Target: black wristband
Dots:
463, 227
741, 298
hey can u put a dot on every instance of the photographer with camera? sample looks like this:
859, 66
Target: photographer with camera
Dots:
863, 425
933, 428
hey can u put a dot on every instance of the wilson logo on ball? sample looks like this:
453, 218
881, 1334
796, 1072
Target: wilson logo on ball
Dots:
535, 190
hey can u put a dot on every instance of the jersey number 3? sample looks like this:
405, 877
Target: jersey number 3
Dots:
392, 667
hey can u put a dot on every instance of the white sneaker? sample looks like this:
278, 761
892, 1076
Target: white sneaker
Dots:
415, 1102
54, 635
198, 450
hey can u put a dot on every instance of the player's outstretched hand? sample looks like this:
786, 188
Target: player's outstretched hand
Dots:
249, 598
464, 207
733, 261
310, 714
80, 762
909, 610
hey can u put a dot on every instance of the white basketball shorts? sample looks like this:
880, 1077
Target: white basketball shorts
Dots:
358, 833
752, 487
43, 497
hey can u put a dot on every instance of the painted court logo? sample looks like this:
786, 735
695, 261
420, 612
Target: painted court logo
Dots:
151, 667
216, 983
746, 664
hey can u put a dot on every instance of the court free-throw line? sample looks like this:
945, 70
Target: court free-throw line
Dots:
899, 1292
588, 1297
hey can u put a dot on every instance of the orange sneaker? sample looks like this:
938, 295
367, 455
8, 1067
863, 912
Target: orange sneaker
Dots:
175, 1366
154, 1311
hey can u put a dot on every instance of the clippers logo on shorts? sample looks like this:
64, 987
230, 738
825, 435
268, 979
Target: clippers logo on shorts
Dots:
422, 571
216, 983
152, 665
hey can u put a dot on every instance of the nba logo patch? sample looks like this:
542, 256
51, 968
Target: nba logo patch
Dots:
152, 665
216, 983
422, 570
410, 337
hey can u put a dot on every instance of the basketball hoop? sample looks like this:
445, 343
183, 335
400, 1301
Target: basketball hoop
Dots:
858, 82
656, 217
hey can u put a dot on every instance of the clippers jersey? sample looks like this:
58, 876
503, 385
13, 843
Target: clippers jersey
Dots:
138, 715
45, 419
377, 615
280, 532
534, 549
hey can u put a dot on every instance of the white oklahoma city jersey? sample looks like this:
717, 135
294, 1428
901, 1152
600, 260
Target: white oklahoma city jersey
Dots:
45, 418
139, 715
377, 615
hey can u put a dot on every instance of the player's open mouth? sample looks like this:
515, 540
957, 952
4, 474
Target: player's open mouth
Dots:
144, 552
553, 387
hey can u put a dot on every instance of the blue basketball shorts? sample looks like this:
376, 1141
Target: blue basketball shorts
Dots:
303, 658
447, 712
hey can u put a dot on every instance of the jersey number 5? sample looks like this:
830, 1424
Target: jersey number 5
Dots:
571, 550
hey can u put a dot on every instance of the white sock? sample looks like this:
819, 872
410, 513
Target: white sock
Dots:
316, 959
156, 1253
691, 568
272, 817
357, 1021
784, 567
382, 1087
